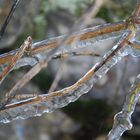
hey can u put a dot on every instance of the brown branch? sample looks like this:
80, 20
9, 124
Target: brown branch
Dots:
134, 18
24, 96
82, 21
134, 45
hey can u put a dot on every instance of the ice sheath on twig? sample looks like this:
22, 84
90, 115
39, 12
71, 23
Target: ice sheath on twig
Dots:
36, 106
48, 102
122, 120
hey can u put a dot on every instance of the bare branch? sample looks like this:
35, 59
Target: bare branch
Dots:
24, 47
12, 10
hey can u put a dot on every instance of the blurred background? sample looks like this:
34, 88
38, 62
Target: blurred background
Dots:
91, 117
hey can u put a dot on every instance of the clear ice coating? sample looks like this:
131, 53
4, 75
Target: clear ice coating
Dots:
122, 120
31, 61
26, 61
50, 102
20, 63
90, 42
78, 42
135, 52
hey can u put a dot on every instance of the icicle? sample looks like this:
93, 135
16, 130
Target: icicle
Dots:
122, 120
49, 102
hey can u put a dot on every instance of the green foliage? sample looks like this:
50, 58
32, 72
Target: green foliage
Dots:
39, 25
104, 14
121, 9
43, 80
91, 114
70, 5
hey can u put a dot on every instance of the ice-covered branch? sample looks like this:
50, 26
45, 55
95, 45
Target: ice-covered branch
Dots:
67, 49
42, 58
134, 48
16, 57
122, 120
38, 105
84, 38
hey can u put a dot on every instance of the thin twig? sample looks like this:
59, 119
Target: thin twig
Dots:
74, 53
24, 80
8, 18
57, 77
24, 47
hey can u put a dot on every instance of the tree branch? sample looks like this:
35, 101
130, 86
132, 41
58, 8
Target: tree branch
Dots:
8, 18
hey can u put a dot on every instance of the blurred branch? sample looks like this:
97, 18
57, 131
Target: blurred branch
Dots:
57, 77
8, 18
